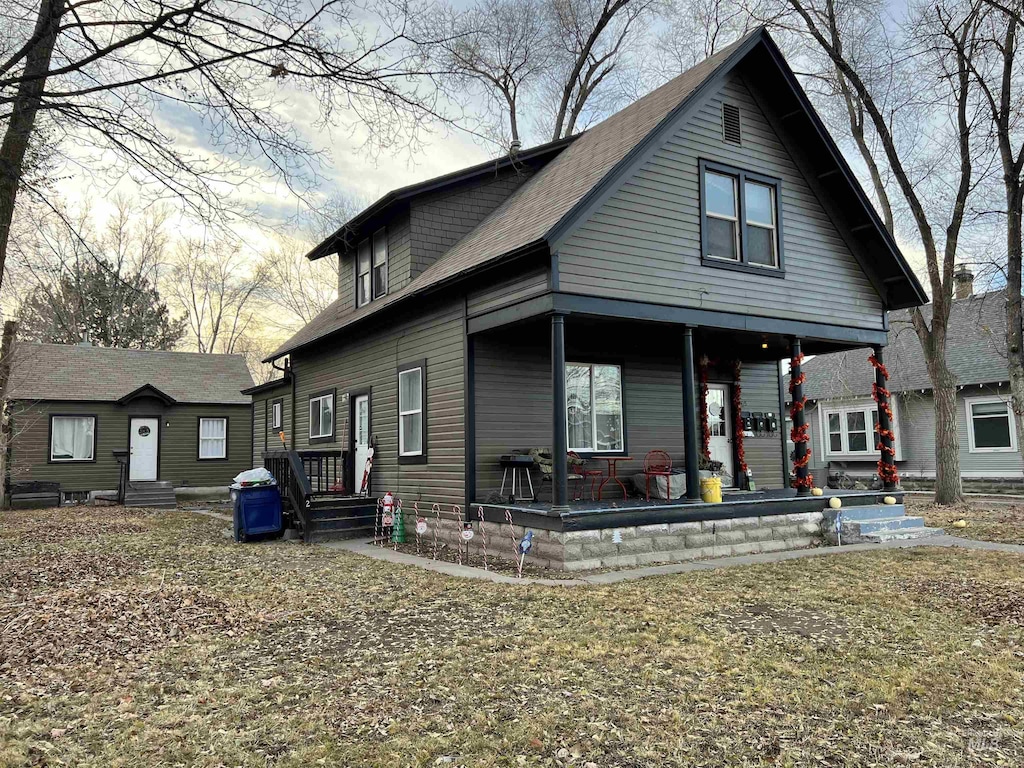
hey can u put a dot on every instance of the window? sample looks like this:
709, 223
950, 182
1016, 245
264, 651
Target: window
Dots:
739, 218
594, 407
72, 438
213, 438
850, 431
363, 261
321, 416
411, 398
990, 425
380, 263
277, 414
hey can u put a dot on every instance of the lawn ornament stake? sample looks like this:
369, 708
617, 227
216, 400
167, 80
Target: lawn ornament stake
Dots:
483, 534
437, 524
524, 549
398, 531
839, 528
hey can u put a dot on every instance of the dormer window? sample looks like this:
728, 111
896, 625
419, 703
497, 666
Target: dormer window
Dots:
372, 268
740, 219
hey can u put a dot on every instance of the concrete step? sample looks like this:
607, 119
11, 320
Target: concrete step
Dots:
881, 524
900, 534
869, 512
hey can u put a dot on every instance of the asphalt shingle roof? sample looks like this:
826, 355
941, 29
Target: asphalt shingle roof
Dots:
975, 353
540, 203
68, 372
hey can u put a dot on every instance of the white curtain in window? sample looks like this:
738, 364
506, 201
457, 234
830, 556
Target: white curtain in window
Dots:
213, 435
72, 438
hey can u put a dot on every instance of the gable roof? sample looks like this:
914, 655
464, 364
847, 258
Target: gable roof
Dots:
543, 210
975, 351
106, 374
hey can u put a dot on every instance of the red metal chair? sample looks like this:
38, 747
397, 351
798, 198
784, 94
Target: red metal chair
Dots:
657, 464
583, 476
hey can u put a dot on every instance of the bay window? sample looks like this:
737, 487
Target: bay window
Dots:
594, 417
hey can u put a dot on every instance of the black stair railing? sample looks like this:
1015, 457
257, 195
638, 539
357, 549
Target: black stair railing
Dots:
121, 456
290, 475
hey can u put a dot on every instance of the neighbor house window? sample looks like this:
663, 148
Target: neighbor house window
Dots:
411, 399
364, 259
593, 407
321, 416
72, 438
990, 425
380, 263
277, 414
740, 217
213, 438
850, 431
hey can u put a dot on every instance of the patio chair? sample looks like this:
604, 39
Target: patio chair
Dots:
657, 464
577, 473
586, 477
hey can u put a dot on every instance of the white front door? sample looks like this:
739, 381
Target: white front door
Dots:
720, 424
361, 436
145, 437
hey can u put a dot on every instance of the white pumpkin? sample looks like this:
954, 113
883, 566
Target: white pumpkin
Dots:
889, 500
835, 502
816, 492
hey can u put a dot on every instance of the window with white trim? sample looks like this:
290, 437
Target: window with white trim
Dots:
593, 407
72, 438
380, 263
410, 411
277, 414
321, 416
850, 431
364, 261
991, 427
213, 438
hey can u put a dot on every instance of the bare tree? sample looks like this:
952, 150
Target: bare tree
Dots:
954, 97
296, 289
99, 72
219, 291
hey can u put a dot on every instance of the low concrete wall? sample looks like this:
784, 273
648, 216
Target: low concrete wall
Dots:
642, 544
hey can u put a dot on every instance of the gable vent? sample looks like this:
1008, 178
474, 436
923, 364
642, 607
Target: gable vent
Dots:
731, 123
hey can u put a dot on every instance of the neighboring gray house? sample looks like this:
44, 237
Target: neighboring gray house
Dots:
563, 297
144, 422
841, 415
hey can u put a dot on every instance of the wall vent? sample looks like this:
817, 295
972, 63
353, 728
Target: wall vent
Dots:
731, 123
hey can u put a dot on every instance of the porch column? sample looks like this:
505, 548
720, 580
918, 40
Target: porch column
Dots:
798, 413
560, 441
690, 441
887, 462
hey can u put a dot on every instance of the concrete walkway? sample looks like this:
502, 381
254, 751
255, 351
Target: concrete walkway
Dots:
613, 577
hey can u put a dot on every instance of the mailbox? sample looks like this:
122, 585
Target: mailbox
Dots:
748, 421
773, 422
759, 422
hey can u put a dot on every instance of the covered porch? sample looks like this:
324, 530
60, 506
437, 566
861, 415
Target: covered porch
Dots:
693, 391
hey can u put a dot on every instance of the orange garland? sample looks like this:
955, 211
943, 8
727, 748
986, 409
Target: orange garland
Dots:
886, 470
799, 434
705, 429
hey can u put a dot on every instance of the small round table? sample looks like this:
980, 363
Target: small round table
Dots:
612, 474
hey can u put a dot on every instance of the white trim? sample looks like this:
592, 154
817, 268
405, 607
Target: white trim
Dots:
222, 440
826, 406
593, 410
383, 234
971, 401
410, 412
92, 438
319, 400
276, 415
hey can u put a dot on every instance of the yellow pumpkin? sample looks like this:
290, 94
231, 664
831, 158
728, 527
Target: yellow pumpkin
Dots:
960, 524
835, 502
816, 491
889, 500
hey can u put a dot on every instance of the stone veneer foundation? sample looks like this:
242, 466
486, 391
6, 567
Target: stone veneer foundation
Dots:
641, 544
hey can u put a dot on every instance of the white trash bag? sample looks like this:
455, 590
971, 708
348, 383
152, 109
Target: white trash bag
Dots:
257, 476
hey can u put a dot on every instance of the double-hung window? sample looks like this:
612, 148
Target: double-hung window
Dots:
990, 425
739, 218
364, 259
412, 397
380, 263
594, 420
72, 438
213, 438
372, 268
277, 414
850, 431
321, 416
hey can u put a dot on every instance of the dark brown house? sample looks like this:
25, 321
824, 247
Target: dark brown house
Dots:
142, 422
570, 297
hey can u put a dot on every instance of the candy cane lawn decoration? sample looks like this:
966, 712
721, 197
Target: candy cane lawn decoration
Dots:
366, 471
483, 534
437, 524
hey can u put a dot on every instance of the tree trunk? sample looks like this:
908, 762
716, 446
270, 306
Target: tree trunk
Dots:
6, 351
23, 115
1014, 341
948, 484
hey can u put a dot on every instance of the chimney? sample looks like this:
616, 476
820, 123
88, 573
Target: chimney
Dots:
963, 282
514, 148
86, 341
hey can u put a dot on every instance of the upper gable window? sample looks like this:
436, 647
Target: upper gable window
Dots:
740, 219
372, 268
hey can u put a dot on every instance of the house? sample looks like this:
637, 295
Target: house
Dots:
138, 423
570, 296
842, 412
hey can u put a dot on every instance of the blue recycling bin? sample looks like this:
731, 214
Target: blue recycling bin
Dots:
257, 510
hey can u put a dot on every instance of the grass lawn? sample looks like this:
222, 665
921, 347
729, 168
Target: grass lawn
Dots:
129, 639
987, 519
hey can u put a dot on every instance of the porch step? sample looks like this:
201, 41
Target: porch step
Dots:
158, 494
899, 534
871, 525
876, 523
873, 512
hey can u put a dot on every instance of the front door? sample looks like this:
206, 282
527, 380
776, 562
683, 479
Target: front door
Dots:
360, 436
145, 437
720, 424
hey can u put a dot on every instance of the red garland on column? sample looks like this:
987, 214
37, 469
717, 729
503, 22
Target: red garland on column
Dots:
737, 414
886, 472
799, 435
705, 429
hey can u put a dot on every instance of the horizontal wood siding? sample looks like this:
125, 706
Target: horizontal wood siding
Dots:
759, 384
512, 290
368, 358
643, 243
265, 436
179, 434
259, 433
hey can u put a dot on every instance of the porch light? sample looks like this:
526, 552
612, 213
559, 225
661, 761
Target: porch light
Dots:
764, 345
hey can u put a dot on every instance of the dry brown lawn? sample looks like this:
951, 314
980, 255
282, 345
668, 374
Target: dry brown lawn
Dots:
136, 639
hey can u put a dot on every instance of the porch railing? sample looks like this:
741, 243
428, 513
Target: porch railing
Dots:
326, 470
121, 456
304, 478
